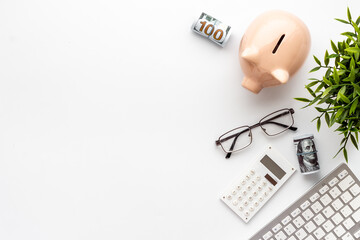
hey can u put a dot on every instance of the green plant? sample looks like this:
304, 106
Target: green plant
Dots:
338, 91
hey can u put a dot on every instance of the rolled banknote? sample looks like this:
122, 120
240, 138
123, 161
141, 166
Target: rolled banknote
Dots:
212, 29
306, 154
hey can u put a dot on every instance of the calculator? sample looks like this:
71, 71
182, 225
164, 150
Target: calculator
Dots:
257, 184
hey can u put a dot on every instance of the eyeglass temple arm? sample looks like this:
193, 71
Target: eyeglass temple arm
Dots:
280, 124
281, 114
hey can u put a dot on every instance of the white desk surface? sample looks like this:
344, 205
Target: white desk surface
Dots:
109, 111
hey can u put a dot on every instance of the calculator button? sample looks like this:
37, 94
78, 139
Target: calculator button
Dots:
246, 203
235, 203
335, 192
276, 228
324, 189
261, 199
343, 174
253, 183
248, 188
247, 214
259, 188
355, 190
244, 192
241, 208
229, 197
337, 218
254, 193
264, 183
252, 172
314, 197
243, 182
251, 209
258, 178
250, 198
333, 182
247, 177
270, 188
239, 198
234, 192
238, 187
346, 183
256, 204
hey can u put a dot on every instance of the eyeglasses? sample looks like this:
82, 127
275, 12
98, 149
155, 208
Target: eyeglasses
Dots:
241, 137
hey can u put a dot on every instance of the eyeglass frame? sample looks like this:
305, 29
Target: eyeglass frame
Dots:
248, 128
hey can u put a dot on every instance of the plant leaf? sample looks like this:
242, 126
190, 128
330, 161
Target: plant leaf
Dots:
345, 155
358, 20
343, 21
327, 119
333, 46
353, 106
349, 14
352, 49
353, 140
336, 76
317, 60
311, 84
318, 124
314, 69
326, 58
344, 98
302, 99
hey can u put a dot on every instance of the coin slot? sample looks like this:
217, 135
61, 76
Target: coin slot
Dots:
278, 44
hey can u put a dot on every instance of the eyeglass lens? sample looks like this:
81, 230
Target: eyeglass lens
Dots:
277, 122
236, 139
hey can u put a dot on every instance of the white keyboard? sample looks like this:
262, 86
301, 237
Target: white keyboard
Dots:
328, 211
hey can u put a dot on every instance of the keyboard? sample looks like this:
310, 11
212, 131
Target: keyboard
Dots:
330, 210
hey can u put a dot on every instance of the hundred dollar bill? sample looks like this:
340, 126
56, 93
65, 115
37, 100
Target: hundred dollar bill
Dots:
306, 154
212, 29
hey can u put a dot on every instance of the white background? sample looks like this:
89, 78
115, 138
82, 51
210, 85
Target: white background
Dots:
109, 111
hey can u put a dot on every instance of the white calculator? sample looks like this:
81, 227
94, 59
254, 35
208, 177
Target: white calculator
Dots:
256, 185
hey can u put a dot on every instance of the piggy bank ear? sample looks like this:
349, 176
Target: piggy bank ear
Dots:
281, 75
250, 54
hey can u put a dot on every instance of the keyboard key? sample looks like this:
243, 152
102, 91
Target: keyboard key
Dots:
307, 214
333, 181
335, 192
343, 174
337, 204
319, 233
357, 234
276, 228
295, 212
328, 212
346, 183
301, 234
289, 229
314, 197
267, 235
286, 220
347, 236
324, 189
337, 218
328, 226
355, 204
339, 231
280, 236
309, 238
319, 219
356, 216
348, 223
346, 197
355, 190
305, 205
292, 238
310, 226
298, 222
317, 207
325, 200
330, 236
346, 211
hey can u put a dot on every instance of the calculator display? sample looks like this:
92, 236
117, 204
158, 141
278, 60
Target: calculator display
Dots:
273, 167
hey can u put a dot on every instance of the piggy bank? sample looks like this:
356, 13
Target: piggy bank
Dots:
272, 49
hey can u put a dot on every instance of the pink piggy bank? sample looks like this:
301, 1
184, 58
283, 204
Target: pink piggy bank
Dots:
273, 48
